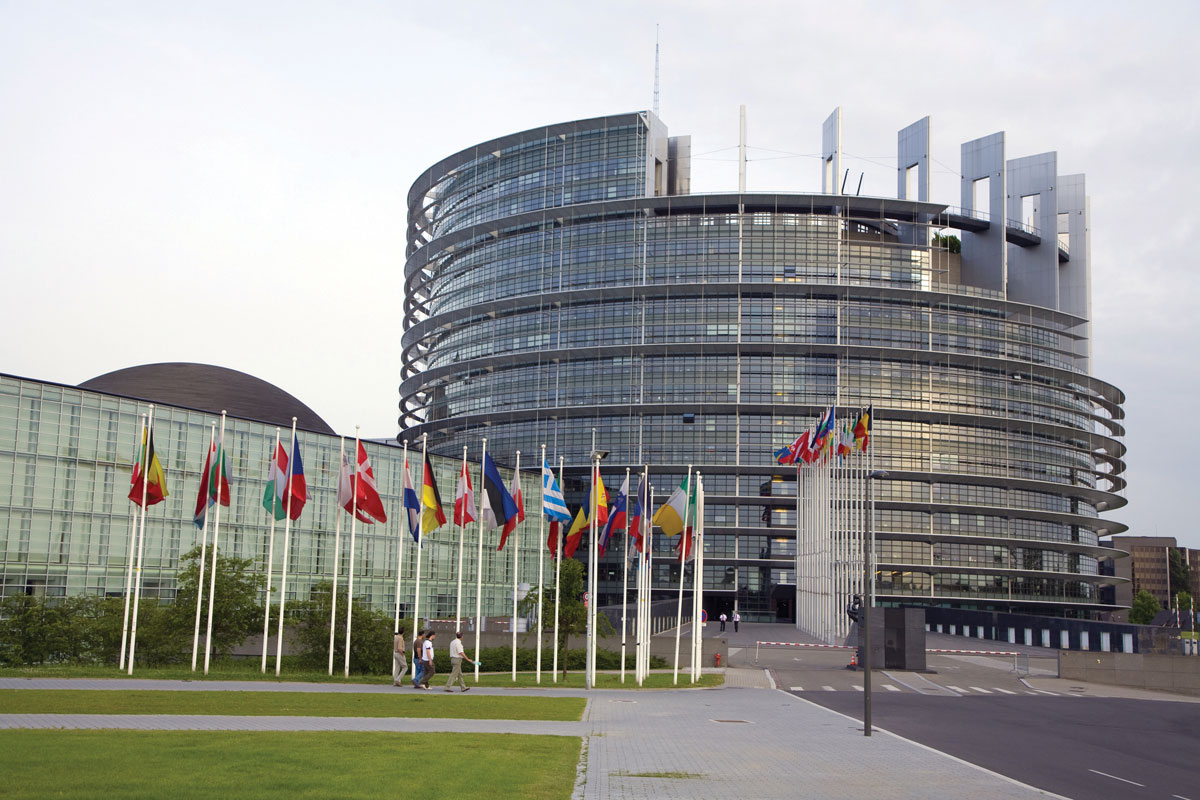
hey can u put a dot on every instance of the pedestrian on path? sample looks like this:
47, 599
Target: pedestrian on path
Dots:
722, 621
427, 669
456, 658
736, 619
399, 660
418, 645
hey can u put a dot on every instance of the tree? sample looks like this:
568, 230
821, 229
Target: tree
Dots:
1145, 608
370, 633
952, 243
572, 614
1180, 574
236, 612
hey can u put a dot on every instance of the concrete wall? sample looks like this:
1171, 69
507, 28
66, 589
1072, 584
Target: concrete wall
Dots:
1173, 673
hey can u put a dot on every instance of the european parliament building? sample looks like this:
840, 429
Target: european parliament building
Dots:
564, 279
66, 455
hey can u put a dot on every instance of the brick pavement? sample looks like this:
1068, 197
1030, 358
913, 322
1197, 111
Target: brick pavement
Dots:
731, 742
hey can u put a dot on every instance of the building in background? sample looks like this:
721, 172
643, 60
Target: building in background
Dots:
1147, 567
563, 280
65, 464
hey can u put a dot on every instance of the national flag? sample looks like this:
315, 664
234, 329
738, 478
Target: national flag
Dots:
862, 430
616, 516
671, 514
684, 547
598, 498
806, 453
552, 538
432, 517
845, 445
640, 504
218, 476
365, 494
203, 501
464, 498
155, 481
273, 498
553, 504
412, 506
575, 534
345, 493
519, 517
498, 505
298, 488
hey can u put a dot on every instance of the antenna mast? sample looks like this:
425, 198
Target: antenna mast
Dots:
656, 70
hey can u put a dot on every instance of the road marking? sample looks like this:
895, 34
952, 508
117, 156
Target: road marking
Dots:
890, 688
828, 688
1043, 691
797, 689
1115, 778
1032, 693
859, 689
1002, 691
1181, 797
981, 691
957, 689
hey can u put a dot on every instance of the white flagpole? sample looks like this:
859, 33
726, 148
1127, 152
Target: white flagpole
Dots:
479, 562
404, 533
516, 551
270, 553
350, 565
212, 436
212, 575
625, 578
420, 547
558, 557
698, 579
541, 565
593, 556
648, 555
687, 501
133, 528
287, 541
462, 532
337, 554
137, 577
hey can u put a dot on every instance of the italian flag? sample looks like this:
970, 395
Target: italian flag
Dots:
273, 498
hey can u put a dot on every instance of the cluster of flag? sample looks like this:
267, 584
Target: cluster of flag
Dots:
829, 438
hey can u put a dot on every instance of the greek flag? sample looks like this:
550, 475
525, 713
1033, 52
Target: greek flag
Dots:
553, 504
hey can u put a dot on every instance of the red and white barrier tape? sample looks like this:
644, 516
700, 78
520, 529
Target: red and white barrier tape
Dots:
850, 647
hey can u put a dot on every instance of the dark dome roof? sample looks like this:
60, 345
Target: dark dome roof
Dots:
207, 388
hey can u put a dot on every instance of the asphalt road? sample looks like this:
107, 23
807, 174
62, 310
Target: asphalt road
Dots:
1078, 747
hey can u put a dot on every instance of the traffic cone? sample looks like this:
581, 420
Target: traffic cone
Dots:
853, 661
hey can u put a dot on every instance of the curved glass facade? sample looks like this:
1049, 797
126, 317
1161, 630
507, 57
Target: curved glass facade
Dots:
547, 301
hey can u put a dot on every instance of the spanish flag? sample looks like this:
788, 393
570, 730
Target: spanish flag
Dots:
432, 517
152, 477
862, 430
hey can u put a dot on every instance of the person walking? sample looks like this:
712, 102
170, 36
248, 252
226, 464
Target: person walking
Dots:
427, 668
736, 619
456, 658
723, 621
418, 644
399, 660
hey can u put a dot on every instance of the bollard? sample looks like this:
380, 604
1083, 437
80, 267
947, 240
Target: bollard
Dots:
717, 658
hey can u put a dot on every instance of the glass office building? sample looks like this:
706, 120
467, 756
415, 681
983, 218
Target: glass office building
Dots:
65, 519
564, 280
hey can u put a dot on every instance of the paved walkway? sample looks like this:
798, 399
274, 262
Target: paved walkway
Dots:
731, 742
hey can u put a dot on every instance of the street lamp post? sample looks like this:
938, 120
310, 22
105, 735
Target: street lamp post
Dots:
868, 600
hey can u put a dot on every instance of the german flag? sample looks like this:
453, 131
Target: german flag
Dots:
151, 477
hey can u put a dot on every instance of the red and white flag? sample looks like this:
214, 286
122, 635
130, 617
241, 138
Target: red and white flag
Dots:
511, 525
464, 498
365, 492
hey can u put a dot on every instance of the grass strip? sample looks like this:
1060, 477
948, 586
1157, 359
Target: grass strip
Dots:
290, 704
297, 765
243, 669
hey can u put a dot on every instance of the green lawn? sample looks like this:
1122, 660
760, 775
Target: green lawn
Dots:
223, 670
604, 680
295, 765
404, 703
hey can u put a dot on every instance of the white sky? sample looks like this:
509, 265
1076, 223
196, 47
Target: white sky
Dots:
225, 182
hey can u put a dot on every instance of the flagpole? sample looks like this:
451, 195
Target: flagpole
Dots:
350, 565
212, 575
270, 549
133, 528
541, 565
403, 534
558, 557
287, 541
649, 580
137, 581
212, 436
337, 554
643, 572
698, 579
687, 501
624, 579
479, 563
516, 534
420, 547
593, 554
462, 532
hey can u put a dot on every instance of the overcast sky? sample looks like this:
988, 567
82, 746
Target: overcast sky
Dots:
226, 182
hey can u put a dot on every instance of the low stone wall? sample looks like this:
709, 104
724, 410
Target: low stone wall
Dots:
1172, 673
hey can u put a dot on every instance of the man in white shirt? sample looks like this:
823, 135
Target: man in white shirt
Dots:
736, 619
427, 669
456, 658
723, 618
399, 661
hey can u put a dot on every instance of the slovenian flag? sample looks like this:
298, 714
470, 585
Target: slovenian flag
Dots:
412, 505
